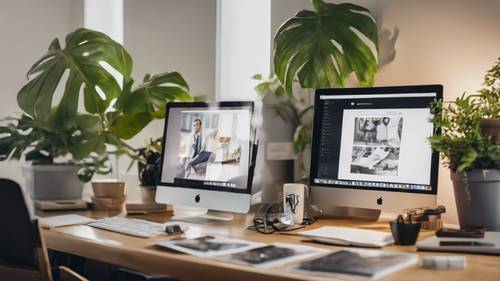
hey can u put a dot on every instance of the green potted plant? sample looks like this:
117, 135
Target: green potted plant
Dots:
318, 49
76, 113
148, 160
491, 94
471, 153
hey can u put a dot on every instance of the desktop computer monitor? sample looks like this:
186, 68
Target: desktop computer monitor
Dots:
206, 156
370, 151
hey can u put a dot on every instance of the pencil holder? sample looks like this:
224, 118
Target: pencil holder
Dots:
405, 233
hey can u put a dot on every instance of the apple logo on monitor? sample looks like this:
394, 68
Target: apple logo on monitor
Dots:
197, 198
379, 200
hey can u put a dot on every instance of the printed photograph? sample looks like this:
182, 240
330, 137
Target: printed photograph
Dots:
273, 255
384, 131
208, 246
211, 147
207, 243
375, 160
263, 255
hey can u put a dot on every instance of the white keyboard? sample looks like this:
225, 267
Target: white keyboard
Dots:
134, 227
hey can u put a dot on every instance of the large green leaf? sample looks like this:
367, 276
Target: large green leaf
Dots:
85, 55
322, 47
128, 125
154, 93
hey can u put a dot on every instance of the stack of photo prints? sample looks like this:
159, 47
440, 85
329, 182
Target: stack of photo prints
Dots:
343, 263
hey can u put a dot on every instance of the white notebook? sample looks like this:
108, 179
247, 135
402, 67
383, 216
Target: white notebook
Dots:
64, 220
346, 236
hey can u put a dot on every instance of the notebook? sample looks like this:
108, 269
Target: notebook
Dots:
356, 263
346, 236
491, 237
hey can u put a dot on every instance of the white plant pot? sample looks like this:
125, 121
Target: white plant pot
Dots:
53, 182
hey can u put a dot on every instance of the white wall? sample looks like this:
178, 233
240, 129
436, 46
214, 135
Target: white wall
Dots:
449, 42
105, 16
26, 29
164, 35
244, 47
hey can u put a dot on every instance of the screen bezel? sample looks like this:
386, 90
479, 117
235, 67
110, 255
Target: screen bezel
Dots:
438, 89
205, 105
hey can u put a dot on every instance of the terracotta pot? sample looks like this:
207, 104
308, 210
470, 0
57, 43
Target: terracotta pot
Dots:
108, 203
108, 188
148, 194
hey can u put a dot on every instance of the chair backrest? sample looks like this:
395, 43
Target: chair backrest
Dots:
21, 246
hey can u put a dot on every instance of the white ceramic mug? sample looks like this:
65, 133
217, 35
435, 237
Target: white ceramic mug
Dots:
293, 200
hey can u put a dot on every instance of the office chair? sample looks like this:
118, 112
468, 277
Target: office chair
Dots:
23, 255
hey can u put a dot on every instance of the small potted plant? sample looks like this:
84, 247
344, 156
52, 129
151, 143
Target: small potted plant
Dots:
472, 153
149, 167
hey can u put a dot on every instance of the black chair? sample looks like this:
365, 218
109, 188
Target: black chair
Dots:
23, 255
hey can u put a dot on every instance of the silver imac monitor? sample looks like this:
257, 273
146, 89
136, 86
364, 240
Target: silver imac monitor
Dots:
206, 156
370, 151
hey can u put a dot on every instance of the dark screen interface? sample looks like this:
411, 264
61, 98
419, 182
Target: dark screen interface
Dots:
373, 142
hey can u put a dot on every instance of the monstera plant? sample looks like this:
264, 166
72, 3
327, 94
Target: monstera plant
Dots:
319, 49
80, 105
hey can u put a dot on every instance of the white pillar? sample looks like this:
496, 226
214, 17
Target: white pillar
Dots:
105, 16
243, 47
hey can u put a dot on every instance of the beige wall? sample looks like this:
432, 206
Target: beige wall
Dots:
26, 29
446, 42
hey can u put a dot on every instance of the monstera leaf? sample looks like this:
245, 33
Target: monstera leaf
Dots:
154, 93
84, 58
147, 102
321, 48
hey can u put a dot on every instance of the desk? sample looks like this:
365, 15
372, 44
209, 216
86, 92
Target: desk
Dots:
140, 254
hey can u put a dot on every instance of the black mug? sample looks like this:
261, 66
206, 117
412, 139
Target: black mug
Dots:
405, 233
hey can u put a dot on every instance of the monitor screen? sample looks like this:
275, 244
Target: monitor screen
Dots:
375, 138
207, 146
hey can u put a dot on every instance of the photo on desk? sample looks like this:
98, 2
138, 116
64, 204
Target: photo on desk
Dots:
273, 255
209, 246
356, 263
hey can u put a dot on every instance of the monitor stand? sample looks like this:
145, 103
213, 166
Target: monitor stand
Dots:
205, 217
353, 213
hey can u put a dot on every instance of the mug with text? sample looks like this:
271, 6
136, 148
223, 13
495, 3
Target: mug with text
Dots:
293, 200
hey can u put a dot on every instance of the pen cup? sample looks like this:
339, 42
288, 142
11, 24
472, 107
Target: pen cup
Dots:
405, 233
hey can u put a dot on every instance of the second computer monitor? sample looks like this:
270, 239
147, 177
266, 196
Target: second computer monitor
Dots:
370, 148
206, 155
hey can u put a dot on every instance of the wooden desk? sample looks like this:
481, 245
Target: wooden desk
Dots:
140, 254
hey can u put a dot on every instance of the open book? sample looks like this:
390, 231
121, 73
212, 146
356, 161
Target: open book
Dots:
346, 236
